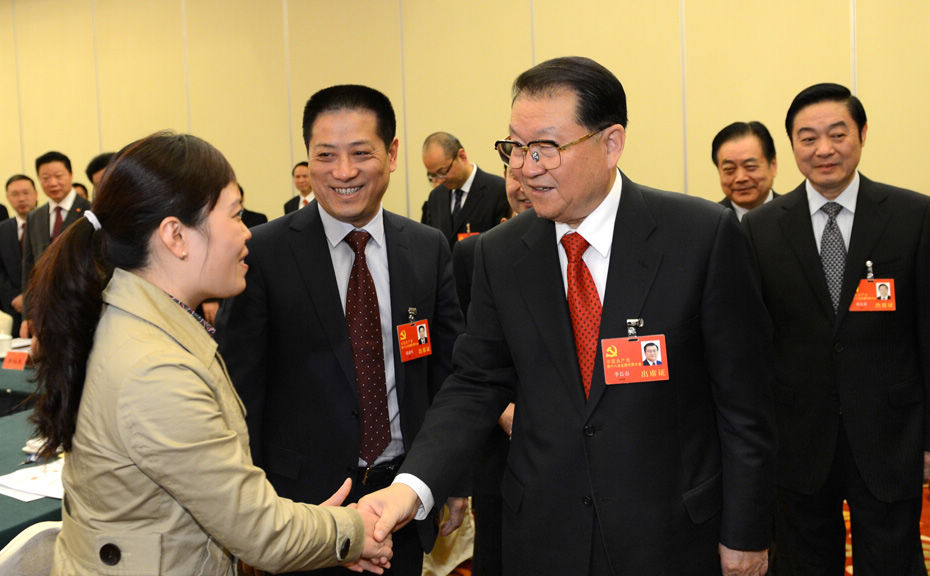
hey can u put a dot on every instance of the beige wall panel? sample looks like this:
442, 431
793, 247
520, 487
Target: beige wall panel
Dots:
893, 83
458, 78
345, 43
56, 67
238, 94
11, 159
746, 61
640, 43
140, 55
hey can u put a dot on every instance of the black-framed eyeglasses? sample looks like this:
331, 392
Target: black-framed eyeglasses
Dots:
546, 153
440, 175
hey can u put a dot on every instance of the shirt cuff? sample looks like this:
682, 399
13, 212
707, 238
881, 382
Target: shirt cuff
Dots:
423, 493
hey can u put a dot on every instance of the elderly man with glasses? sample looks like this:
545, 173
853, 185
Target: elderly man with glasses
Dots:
465, 200
614, 467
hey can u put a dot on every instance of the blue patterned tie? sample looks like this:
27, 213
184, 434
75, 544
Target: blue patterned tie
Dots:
833, 253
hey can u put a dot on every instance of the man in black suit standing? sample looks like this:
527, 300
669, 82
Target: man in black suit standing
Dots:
328, 396
301, 175
609, 471
466, 199
744, 155
21, 194
851, 386
49, 220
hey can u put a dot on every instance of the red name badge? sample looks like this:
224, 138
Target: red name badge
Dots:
874, 295
15, 360
638, 359
414, 341
464, 235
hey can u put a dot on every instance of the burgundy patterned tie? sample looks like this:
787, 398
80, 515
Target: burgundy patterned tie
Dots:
584, 305
364, 323
56, 229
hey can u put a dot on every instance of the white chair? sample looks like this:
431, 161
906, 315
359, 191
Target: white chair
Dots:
31, 552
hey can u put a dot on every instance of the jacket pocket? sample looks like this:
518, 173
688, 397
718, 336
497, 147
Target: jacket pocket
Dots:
283, 462
905, 394
705, 500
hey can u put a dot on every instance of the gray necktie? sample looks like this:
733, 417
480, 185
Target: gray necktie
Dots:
833, 253
457, 203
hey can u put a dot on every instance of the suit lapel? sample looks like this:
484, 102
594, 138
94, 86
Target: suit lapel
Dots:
634, 264
400, 269
472, 200
443, 211
799, 234
310, 250
869, 224
540, 277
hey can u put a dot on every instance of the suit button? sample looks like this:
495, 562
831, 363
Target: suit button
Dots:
110, 554
355, 414
587, 501
838, 347
589, 430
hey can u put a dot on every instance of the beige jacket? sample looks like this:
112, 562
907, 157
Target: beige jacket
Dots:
159, 479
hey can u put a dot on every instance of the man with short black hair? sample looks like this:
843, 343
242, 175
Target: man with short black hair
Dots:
21, 194
313, 343
301, 175
97, 166
48, 221
852, 382
465, 199
744, 155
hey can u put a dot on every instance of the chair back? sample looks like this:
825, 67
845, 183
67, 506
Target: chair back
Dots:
30, 553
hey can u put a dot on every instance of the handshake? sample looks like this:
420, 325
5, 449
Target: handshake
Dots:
384, 512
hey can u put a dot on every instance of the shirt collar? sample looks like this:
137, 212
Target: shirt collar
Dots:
471, 178
847, 198
65, 203
598, 226
336, 230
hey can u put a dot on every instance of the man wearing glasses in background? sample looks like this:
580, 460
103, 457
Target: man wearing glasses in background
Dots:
607, 473
465, 198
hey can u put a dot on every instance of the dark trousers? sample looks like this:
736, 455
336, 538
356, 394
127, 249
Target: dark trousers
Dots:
811, 532
487, 503
408, 552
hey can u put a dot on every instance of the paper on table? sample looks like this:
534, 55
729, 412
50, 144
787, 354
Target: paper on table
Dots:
34, 482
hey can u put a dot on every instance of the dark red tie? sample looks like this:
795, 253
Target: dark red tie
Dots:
56, 229
584, 305
364, 323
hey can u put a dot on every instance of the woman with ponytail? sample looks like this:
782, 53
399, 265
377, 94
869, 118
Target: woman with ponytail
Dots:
157, 476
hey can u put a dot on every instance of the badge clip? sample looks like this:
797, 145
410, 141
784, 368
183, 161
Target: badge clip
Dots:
412, 314
631, 325
869, 272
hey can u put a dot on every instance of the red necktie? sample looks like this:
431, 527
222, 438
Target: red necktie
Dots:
584, 305
364, 323
303, 202
56, 229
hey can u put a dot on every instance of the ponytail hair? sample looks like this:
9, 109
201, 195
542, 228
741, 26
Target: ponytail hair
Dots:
159, 176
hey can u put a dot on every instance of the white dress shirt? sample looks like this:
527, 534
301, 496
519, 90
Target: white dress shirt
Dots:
844, 219
65, 204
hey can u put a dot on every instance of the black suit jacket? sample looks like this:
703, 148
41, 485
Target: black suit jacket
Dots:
38, 236
11, 261
293, 204
872, 366
726, 201
286, 344
668, 469
251, 219
485, 206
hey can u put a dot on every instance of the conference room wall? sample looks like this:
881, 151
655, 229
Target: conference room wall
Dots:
84, 76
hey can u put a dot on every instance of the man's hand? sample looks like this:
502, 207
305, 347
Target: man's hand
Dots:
17, 303
506, 420
375, 555
742, 562
24, 329
458, 507
395, 506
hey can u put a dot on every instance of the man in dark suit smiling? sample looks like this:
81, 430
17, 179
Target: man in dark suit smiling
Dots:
670, 474
312, 344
